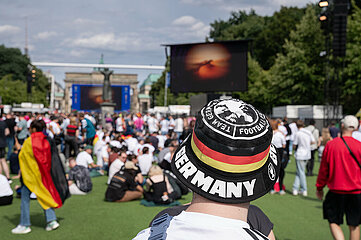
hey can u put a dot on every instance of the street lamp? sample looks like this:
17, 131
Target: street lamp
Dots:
323, 3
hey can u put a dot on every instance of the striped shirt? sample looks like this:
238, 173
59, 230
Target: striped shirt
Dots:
71, 130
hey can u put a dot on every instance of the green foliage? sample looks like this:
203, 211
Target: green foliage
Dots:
157, 92
12, 91
258, 87
268, 33
296, 76
13, 78
277, 29
12, 61
352, 73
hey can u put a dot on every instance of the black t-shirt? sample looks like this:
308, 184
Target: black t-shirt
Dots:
10, 122
256, 218
3, 126
121, 182
154, 141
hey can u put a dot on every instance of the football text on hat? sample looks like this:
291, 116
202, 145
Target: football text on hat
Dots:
228, 157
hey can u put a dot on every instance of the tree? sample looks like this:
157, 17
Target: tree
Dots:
277, 30
297, 76
268, 33
351, 90
12, 61
12, 91
258, 87
13, 78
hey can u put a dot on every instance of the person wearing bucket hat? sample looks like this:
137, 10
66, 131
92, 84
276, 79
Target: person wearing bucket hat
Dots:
227, 161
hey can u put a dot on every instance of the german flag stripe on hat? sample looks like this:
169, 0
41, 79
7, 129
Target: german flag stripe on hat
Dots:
227, 163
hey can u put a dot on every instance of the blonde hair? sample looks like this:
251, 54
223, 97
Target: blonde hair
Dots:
326, 136
73, 121
155, 170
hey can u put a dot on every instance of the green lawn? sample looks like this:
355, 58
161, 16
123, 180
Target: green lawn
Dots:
89, 217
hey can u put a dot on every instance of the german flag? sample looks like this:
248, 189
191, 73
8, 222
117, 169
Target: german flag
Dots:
35, 160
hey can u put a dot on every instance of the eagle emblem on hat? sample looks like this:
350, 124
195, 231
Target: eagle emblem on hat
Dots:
233, 111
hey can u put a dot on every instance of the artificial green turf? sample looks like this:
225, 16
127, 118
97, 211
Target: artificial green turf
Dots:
90, 217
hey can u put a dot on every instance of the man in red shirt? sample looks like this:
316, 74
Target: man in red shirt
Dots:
342, 174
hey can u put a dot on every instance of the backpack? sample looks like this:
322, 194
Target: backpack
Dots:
116, 188
84, 183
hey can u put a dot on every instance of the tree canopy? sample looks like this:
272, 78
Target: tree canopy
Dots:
13, 78
285, 64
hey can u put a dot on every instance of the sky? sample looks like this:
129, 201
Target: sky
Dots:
126, 32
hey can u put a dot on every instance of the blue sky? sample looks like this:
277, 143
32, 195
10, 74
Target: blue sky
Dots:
126, 32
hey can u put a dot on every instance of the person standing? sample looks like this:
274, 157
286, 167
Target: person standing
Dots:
294, 130
71, 134
10, 122
334, 131
340, 170
4, 132
153, 124
41, 173
302, 143
164, 123
22, 129
286, 130
279, 141
179, 126
88, 129
316, 134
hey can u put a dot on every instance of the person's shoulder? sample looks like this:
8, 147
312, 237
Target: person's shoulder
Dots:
144, 234
334, 142
354, 141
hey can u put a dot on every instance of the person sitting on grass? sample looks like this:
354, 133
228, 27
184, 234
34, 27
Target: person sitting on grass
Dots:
14, 162
123, 187
145, 161
85, 158
79, 179
158, 188
117, 164
6, 193
133, 158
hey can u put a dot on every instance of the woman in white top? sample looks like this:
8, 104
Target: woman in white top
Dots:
279, 140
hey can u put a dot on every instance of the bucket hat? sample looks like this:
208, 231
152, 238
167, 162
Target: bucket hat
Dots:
228, 157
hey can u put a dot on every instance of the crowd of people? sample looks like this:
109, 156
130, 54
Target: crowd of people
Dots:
136, 153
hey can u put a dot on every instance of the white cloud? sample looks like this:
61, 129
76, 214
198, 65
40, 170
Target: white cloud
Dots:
85, 21
45, 35
262, 7
8, 29
110, 41
184, 20
188, 28
202, 2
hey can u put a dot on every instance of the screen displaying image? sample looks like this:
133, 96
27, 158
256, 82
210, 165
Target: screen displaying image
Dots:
206, 67
89, 97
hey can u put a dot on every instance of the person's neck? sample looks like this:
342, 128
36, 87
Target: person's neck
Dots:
234, 211
347, 133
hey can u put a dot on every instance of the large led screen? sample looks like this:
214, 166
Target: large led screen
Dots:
209, 67
89, 97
